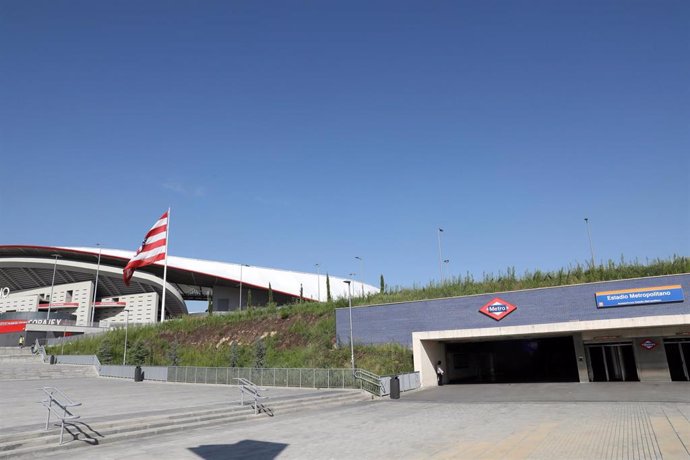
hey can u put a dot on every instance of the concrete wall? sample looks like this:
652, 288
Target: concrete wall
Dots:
652, 365
426, 354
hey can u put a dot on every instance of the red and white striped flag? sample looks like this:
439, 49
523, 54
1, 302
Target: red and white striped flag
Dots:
152, 249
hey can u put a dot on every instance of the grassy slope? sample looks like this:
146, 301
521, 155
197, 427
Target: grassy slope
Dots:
303, 335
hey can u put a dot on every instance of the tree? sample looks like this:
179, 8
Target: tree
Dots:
105, 352
173, 355
234, 355
249, 298
140, 352
328, 288
210, 306
301, 293
270, 294
259, 354
383, 285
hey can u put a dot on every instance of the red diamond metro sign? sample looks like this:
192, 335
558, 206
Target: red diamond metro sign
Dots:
497, 309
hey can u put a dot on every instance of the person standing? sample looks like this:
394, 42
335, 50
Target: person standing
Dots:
439, 373
21, 341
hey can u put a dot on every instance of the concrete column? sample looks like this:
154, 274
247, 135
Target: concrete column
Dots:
426, 354
652, 365
581, 358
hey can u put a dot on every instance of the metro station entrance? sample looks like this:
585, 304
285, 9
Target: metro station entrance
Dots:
678, 356
513, 361
611, 362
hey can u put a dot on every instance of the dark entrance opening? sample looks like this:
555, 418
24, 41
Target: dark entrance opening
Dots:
678, 356
513, 361
612, 362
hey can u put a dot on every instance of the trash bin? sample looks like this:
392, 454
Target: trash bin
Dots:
138, 374
53, 359
395, 387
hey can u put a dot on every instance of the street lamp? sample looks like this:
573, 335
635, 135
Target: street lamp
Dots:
241, 266
361, 272
440, 257
92, 315
52, 284
352, 344
589, 235
318, 281
124, 355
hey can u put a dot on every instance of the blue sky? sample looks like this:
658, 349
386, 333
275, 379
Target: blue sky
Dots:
286, 133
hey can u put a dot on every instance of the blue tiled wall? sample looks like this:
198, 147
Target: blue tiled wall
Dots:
396, 322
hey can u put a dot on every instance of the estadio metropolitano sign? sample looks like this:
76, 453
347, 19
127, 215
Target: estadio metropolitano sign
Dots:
639, 296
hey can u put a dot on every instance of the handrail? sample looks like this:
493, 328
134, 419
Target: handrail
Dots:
40, 349
371, 382
252, 390
66, 416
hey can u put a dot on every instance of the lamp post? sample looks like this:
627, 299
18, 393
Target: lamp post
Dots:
440, 257
589, 235
318, 281
361, 272
241, 266
124, 355
352, 344
92, 315
52, 284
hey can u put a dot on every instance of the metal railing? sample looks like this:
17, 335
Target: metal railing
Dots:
369, 382
57, 404
39, 349
254, 392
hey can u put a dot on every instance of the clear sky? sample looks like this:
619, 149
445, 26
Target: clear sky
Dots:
290, 133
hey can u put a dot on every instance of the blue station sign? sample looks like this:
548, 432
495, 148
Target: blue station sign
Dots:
640, 296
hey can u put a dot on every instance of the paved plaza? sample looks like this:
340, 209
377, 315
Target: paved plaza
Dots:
538, 421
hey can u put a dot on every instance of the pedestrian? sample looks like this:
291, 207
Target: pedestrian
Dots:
21, 341
439, 373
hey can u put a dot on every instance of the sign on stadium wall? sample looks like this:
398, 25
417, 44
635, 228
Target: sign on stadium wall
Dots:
8, 326
4, 292
639, 296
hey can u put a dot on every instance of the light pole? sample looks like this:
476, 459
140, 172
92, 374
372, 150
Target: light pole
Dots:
241, 266
361, 273
589, 235
352, 344
91, 315
318, 281
52, 284
440, 257
124, 355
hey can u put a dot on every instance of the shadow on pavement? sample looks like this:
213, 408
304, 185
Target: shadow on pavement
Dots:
244, 449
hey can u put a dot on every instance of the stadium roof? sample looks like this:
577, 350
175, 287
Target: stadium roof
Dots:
193, 278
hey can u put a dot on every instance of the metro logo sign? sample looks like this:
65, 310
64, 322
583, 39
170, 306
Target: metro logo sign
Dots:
497, 309
648, 344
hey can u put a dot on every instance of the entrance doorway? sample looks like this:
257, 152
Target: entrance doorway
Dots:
611, 362
678, 356
513, 361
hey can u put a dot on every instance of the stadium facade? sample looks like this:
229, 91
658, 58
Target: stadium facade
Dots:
625, 330
55, 291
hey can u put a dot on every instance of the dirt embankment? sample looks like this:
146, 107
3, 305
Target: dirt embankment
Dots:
245, 332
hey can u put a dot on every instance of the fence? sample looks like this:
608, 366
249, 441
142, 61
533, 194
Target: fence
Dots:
159, 373
279, 377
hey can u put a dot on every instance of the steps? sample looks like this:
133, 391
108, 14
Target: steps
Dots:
16, 364
87, 433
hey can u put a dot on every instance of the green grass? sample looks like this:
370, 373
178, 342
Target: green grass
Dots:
313, 324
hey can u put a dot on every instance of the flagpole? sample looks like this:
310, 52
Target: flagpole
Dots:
165, 267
